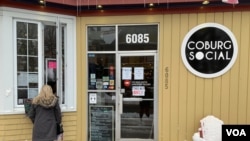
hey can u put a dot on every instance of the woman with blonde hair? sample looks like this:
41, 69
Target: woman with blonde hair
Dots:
45, 113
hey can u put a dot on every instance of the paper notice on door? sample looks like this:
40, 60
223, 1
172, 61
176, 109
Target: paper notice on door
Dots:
126, 73
138, 90
138, 73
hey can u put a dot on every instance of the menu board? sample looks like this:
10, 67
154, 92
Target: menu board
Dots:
101, 123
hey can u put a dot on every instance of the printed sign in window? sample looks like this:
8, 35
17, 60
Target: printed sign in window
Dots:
139, 73
126, 73
138, 90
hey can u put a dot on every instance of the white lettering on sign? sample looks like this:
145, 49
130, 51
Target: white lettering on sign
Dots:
138, 90
236, 132
215, 50
209, 55
209, 45
137, 38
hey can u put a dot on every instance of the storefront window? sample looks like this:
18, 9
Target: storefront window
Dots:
101, 71
29, 50
121, 88
27, 60
101, 38
137, 37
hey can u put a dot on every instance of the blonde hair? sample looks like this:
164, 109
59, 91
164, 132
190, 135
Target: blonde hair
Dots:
46, 93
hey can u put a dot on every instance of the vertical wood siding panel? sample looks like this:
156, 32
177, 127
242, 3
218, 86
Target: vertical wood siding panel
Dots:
183, 84
248, 81
161, 81
191, 123
244, 53
208, 94
224, 104
81, 89
234, 82
200, 84
167, 49
216, 97
175, 61
210, 17
216, 93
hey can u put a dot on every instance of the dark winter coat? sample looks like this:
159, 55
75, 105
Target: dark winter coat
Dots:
44, 116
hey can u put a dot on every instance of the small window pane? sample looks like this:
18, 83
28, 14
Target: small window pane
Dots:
32, 92
33, 34
33, 64
33, 47
137, 37
22, 95
21, 30
22, 80
22, 63
33, 85
33, 80
101, 38
101, 71
21, 47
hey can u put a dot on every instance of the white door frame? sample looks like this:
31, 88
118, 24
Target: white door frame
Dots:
119, 96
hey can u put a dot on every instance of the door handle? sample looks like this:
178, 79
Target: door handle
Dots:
121, 103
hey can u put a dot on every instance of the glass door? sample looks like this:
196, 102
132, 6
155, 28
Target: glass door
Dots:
136, 98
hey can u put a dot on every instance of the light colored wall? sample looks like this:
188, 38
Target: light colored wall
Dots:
190, 98
183, 98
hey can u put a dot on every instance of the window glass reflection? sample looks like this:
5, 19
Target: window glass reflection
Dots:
101, 71
32, 30
22, 63
21, 30
137, 37
21, 47
101, 38
50, 60
33, 64
33, 47
27, 60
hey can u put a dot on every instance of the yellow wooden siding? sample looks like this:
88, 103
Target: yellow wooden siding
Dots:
165, 55
19, 127
191, 98
243, 71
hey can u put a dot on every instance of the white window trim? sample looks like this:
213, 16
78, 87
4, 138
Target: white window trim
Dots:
7, 88
40, 58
